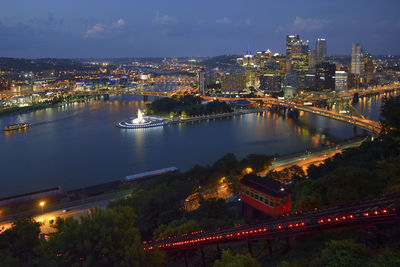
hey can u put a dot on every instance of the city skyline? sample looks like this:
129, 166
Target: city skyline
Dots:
177, 29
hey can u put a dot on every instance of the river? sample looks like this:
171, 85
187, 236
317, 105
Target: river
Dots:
79, 145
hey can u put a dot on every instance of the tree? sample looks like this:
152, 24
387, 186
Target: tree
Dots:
388, 258
239, 260
176, 227
341, 253
102, 238
212, 213
184, 115
20, 245
226, 165
257, 162
389, 117
308, 203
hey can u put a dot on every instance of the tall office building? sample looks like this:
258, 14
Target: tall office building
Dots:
369, 66
299, 64
202, 86
271, 82
251, 77
233, 82
340, 80
263, 57
248, 59
324, 76
309, 81
357, 59
291, 41
320, 50
311, 59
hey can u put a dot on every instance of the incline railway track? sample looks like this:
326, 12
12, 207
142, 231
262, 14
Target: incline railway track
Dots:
380, 210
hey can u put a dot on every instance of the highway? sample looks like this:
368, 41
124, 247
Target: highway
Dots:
70, 209
305, 159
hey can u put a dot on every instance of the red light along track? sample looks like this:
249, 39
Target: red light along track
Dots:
381, 210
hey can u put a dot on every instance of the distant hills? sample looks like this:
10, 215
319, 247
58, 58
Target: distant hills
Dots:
40, 65
225, 61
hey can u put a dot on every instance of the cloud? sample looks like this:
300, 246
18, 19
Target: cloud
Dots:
224, 20
163, 19
118, 24
100, 30
303, 25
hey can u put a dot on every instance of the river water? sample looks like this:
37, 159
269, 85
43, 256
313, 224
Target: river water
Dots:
79, 145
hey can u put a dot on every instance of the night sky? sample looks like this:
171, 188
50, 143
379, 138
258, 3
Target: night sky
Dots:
158, 28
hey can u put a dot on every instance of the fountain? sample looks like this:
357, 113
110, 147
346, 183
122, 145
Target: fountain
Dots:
141, 121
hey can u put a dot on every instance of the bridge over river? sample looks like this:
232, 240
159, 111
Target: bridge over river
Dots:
361, 122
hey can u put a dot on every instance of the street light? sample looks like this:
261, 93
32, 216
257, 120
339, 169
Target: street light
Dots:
42, 205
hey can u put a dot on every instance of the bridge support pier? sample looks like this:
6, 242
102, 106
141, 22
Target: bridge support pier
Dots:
186, 261
270, 247
250, 248
219, 252
287, 243
203, 260
145, 98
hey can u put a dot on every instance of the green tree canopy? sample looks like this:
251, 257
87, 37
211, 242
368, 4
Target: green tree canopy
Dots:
176, 227
341, 253
102, 238
20, 245
239, 260
390, 114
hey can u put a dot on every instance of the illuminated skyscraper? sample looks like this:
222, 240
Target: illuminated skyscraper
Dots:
248, 59
320, 50
271, 82
340, 81
311, 59
262, 58
233, 82
202, 86
369, 66
299, 60
324, 78
291, 41
357, 59
251, 77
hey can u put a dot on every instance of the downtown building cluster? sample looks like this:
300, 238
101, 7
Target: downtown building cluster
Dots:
300, 69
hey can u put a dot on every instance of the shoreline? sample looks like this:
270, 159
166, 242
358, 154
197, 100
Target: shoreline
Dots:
36, 107
167, 121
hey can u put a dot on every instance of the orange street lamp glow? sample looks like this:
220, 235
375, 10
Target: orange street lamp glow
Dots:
42, 205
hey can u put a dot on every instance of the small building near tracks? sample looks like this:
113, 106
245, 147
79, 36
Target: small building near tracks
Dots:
264, 194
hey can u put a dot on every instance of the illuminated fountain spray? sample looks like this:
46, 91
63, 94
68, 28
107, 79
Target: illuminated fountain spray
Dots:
139, 119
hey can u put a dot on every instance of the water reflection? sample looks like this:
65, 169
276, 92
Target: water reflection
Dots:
78, 144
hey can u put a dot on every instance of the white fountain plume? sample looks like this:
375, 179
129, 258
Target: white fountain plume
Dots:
139, 119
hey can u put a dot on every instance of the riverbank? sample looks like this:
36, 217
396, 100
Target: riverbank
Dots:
165, 121
58, 102
214, 116
105, 192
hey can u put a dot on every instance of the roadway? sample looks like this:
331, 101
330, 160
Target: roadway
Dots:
69, 209
363, 123
306, 159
